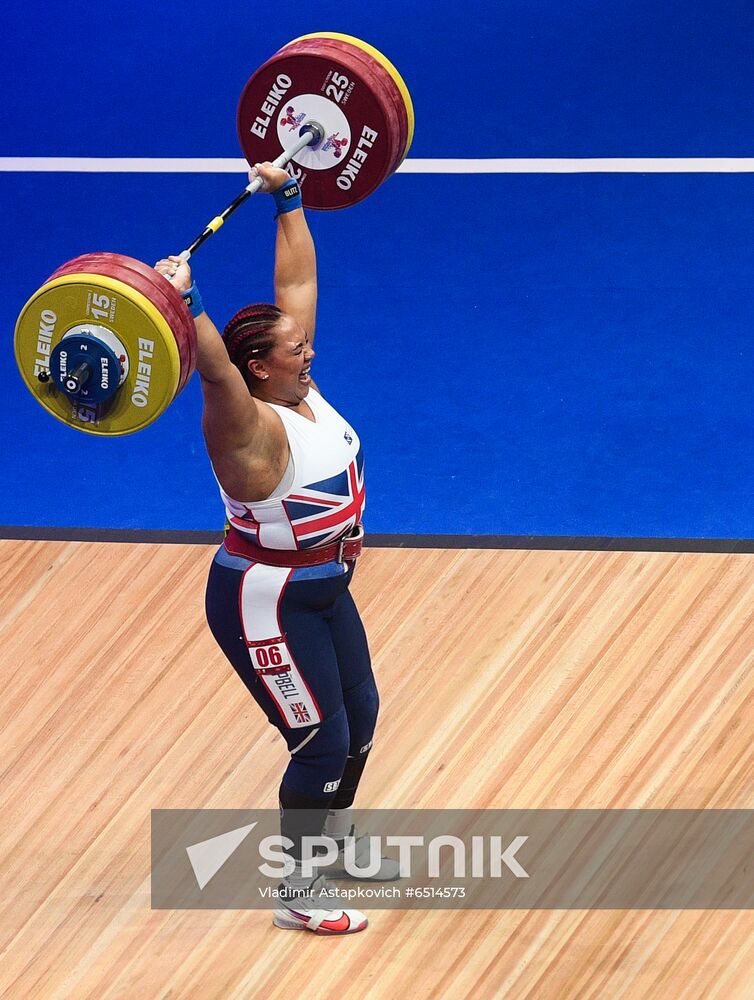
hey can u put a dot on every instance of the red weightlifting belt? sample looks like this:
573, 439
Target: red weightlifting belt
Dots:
346, 550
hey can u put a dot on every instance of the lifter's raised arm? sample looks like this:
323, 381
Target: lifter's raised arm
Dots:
230, 419
295, 258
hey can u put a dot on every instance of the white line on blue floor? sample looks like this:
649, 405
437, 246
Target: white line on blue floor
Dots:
231, 165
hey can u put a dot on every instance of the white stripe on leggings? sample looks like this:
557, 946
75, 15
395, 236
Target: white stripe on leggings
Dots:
262, 590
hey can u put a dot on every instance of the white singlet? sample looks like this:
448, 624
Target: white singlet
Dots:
325, 495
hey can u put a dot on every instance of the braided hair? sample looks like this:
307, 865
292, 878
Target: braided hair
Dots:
250, 334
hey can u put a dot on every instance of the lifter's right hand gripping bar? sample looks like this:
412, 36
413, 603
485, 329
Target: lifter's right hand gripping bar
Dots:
310, 134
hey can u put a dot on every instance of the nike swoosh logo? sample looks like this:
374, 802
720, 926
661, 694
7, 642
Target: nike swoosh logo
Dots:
341, 924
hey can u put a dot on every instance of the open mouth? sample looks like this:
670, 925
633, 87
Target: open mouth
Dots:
304, 377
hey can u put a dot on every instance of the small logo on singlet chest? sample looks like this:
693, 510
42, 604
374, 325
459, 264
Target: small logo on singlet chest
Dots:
348, 436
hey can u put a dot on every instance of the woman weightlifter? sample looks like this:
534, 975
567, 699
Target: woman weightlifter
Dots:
291, 477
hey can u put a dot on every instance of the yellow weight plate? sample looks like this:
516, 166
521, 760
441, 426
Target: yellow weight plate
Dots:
154, 361
385, 62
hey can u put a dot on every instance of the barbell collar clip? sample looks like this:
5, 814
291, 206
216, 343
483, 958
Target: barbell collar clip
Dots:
317, 132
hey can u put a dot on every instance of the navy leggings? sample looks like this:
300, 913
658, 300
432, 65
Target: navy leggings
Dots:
297, 642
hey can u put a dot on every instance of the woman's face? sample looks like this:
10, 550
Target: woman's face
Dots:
287, 364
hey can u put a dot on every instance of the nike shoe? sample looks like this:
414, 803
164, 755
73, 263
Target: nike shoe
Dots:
310, 909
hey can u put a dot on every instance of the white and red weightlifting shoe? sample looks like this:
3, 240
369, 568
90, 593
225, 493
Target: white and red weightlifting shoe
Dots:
310, 909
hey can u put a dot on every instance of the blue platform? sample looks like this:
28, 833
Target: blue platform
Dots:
522, 354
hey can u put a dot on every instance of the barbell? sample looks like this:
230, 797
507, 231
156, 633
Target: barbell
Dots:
107, 343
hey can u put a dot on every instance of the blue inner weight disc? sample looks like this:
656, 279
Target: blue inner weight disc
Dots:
84, 368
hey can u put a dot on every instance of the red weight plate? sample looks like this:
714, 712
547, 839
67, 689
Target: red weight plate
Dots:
153, 286
352, 103
105, 264
368, 64
347, 172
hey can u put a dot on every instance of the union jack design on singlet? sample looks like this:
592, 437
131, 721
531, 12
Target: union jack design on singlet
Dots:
325, 497
321, 512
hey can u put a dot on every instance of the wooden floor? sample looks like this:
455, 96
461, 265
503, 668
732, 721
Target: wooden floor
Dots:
508, 679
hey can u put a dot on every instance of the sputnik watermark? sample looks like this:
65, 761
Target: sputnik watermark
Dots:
484, 857
470, 859
483, 860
